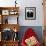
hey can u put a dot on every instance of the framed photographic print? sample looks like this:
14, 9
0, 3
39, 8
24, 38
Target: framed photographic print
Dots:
30, 13
5, 12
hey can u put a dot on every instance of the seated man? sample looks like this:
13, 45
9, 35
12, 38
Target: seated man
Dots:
30, 38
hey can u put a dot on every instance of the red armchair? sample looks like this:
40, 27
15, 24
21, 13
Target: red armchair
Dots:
29, 34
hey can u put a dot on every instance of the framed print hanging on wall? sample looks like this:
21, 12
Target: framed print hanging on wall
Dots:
30, 13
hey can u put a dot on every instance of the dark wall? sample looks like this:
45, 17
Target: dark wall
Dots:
37, 29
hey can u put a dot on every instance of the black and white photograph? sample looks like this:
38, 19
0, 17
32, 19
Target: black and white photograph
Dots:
30, 13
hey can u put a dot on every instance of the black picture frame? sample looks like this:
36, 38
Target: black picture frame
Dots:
30, 13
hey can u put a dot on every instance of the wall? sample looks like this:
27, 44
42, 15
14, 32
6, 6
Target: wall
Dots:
7, 3
39, 14
37, 30
27, 3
